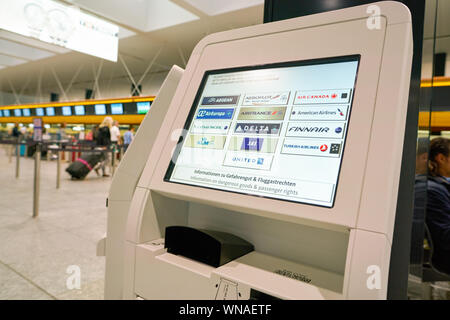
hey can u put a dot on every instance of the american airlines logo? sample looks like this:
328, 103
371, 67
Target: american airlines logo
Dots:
220, 100
329, 112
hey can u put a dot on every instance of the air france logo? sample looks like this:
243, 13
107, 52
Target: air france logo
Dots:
340, 112
215, 113
262, 113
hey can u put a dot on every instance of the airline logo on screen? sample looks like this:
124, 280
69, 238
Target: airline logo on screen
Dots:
322, 96
205, 141
271, 98
210, 127
215, 114
220, 100
252, 144
258, 128
306, 147
263, 113
316, 129
320, 113
266, 145
248, 160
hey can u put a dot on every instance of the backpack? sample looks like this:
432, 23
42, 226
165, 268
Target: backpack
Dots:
103, 137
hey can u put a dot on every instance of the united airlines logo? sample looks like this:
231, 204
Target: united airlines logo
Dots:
257, 161
215, 113
220, 100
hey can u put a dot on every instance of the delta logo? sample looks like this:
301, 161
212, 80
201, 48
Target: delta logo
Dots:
258, 128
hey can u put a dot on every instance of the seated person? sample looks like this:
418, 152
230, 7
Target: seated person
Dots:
438, 203
420, 196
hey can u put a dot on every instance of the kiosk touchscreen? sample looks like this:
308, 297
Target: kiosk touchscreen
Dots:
271, 168
282, 140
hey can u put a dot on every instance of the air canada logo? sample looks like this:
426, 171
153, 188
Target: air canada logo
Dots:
323, 148
322, 96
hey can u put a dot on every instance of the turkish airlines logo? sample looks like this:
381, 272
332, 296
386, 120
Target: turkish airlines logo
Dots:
323, 148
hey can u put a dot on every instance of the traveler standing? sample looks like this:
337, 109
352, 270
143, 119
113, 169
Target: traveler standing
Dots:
103, 139
127, 138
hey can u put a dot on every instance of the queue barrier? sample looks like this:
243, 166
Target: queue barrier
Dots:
55, 146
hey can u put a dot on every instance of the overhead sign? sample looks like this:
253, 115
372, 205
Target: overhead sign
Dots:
62, 25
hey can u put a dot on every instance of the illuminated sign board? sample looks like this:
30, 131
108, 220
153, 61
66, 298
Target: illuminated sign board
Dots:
62, 25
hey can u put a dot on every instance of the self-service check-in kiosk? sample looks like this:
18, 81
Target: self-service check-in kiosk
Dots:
270, 166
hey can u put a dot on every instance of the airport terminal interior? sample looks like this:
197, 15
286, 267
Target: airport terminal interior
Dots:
194, 149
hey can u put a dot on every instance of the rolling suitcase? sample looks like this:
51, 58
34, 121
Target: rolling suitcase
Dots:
83, 165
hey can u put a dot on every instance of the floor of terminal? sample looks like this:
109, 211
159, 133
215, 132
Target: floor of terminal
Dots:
38, 255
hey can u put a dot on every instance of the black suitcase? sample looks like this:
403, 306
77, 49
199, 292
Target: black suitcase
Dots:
83, 165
